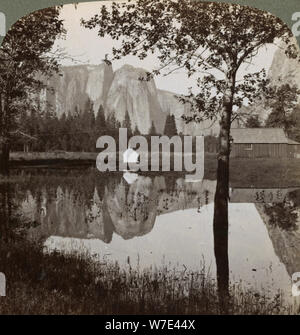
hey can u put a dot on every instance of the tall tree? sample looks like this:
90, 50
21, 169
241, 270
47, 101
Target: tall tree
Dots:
88, 115
100, 122
127, 124
170, 126
100, 125
253, 121
283, 103
211, 41
136, 131
152, 130
25, 59
113, 126
294, 133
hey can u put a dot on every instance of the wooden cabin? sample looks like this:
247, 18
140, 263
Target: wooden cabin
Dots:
262, 143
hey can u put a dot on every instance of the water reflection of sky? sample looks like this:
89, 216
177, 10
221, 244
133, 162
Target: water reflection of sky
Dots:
185, 238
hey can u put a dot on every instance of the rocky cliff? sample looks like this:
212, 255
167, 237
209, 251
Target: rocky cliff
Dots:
170, 104
284, 69
118, 92
75, 85
128, 93
122, 91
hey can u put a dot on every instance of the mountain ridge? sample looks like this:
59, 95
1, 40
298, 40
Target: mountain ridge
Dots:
118, 91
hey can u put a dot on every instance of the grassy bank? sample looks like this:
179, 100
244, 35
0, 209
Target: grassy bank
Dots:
56, 155
41, 283
269, 172
52, 159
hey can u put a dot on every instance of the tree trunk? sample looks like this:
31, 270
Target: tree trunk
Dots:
220, 229
220, 222
4, 159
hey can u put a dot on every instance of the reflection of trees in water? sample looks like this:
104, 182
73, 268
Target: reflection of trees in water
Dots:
283, 225
285, 214
91, 204
5, 212
82, 182
12, 224
282, 215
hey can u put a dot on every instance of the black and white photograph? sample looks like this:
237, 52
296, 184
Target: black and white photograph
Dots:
150, 161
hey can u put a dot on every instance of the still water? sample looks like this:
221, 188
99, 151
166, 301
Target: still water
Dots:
150, 221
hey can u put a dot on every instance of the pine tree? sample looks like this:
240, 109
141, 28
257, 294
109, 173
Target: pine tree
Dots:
112, 125
100, 127
100, 122
136, 131
152, 130
170, 126
127, 124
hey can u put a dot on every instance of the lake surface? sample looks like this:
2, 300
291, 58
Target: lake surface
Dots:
150, 221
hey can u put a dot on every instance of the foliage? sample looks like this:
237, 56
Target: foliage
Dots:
282, 104
253, 121
294, 132
77, 131
25, 61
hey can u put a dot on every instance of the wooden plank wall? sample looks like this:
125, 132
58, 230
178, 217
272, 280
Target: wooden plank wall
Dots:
259, 150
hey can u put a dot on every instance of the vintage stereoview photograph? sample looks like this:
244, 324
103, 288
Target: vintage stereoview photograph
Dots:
150, 161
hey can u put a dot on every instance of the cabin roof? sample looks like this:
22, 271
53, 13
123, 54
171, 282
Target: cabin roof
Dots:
259, 135
293, 142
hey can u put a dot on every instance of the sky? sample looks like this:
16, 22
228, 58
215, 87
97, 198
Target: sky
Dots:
86, 47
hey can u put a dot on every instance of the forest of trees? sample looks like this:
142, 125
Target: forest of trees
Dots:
79, 131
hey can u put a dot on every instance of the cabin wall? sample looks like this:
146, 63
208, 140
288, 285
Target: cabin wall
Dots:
259, 150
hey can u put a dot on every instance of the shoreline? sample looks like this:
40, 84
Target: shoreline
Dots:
252, 172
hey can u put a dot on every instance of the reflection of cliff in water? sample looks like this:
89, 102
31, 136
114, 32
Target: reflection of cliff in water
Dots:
66, 214
127, 210
97, 209
283, 223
